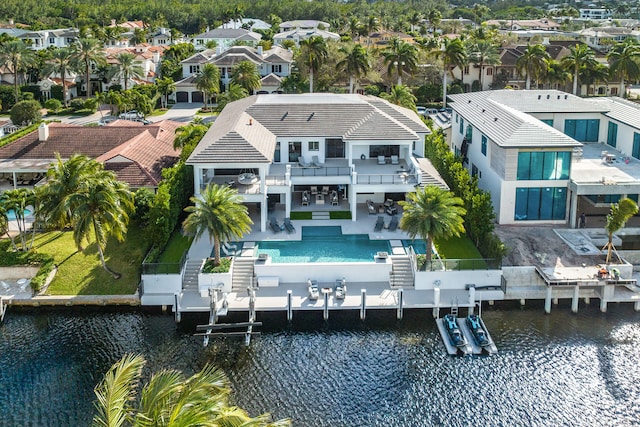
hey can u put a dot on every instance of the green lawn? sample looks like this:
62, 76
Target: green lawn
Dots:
175, 248
159, 111
458, 248
80, 273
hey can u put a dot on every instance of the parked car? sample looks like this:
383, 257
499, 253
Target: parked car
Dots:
105, 121
421, 111
131, 115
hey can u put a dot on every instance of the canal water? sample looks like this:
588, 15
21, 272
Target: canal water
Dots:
557, 369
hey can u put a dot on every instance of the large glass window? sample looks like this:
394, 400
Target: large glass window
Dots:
461, 125
295, 150
383, 150
543, 165
334, 148
276, 155
583, 130
548, 122
544, 203
635, 151
483, 147
612, 134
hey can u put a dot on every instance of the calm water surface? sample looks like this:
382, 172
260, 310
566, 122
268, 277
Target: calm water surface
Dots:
558, 369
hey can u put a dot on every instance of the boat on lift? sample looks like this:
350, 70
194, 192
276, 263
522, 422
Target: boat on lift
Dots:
480, 335
455, 334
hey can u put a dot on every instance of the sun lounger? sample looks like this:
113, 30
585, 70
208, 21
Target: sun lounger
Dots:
288, 226
341, 289
315, 161
394, 160
334, 198
381, 160
275, 227
314, 293
393, 225
302, 163
314, 190
325, 190
379, 224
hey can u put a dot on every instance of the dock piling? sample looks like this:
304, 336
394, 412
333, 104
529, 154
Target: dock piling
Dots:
400, 303
289, 306
363, 304
575, 299
176, 306
547, 301
436, 302
325, 314
636, 306
472, 298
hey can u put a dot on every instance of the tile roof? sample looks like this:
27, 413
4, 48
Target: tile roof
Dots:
621, 110
246, 130
270, 80
225, 33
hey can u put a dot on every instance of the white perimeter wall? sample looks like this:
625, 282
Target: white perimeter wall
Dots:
326, 272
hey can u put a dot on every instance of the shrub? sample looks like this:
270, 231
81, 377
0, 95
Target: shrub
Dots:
142, 198
91, 104
53, 104
26, 112
210, 267
77, 104
7, 98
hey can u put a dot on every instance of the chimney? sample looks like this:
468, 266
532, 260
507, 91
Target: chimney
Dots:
250, 122
259, 50
43, 132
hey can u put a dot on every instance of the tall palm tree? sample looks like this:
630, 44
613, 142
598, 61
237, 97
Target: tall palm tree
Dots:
434, 17
402, 96
220, 213
616, 219
581, 56
591, 76
87, 51
101, 210
401, 57
60, 63
313, 53
233, 93
208, 81
373, 24
483, 53
127, 68
17, 201
246, 75
355, 64
168, 398
623, 62
187, 135
432, 213
4, 225
533, 63
557, 74
165, 85
453, 54
17, 57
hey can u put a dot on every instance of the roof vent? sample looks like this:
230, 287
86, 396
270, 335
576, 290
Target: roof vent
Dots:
284, 116
43, 132
548, 96
250, 122
558, 96
495, 119
539, 96
483, 110
310, 116
469, 101
566, 96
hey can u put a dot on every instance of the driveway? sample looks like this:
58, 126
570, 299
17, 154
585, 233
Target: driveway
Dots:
180, 112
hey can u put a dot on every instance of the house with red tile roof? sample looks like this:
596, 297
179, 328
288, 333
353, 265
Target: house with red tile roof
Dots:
135, 152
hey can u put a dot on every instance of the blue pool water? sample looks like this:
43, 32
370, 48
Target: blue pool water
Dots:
11, 215
324, 244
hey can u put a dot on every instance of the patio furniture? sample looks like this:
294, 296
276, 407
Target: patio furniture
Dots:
379, 224
314, 190
371, 207
305, 198
325, 190
395, 160
393, 225
334, 198
381, 160
247, 178
275, 227
319, 199
391, 210
389, 203
288, 226
302, 163
315, 160
314, 293
341, 288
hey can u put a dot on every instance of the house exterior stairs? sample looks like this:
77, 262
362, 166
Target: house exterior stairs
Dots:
242, 274
402, 275
190, 275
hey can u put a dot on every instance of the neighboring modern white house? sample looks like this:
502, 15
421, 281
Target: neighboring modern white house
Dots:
545, 155
303, 29
248, 23
595, 14
226, 37
603, 38
44, 39
300, 151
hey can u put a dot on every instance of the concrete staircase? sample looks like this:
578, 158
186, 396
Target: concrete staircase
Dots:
242, 274
320, 215
401, 275
190, 276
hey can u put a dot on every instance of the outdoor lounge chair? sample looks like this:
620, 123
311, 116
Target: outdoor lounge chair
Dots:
379, 224
275, 227
288, 226
314, 190
381, 160
393, 225
325, 190
341, 288
394, 160
315, 161
302, 163
314, 293
371, 207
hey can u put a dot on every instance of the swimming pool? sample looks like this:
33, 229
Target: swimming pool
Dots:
324, 244
11, 215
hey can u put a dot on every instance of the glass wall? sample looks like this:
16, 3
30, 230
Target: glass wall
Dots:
635, 151
612, 134
543, 165
543, 203
548, 122
583, 130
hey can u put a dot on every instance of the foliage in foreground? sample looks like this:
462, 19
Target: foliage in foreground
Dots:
168, 399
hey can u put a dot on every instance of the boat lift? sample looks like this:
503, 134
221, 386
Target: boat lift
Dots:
472, 346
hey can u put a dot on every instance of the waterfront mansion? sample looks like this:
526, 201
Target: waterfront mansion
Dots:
547, 156
314, 152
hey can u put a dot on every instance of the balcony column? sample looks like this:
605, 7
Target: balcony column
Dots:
197, 179
353, 205
263, 213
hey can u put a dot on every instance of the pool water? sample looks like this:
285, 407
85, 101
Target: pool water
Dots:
324, 244
11, 215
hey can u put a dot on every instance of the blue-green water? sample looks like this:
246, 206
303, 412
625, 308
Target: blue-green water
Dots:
557, 369
324, 244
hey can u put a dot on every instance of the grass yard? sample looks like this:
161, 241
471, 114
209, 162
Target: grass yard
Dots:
159, 111
80, 273
458, 248
175, 248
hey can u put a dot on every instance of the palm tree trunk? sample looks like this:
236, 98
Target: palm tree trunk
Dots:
575, 81
444, 88
13, 243
310, 80
622, 88
15, 85
429, 252
115, 274
88, 77
350, 84
609, 248
480, 75
527, 84
216, 250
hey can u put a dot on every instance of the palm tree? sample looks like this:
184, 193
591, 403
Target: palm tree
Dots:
533, 63
591, 76
581, 56
208, 81
127, 68
17, 57
101, 210
355, 64
401, 57
219, 212
434, 16
87, 51
188, 135
313, 52
616, 219
246, 75
414, 20
168, 398
623, 62
431, 214
17, 201
453, 55
402, 96
373, 24
165, 86
233, 93
557, 74
60, 63
483, 53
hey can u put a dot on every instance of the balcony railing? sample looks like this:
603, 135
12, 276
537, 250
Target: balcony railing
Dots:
323, 171
386, 179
